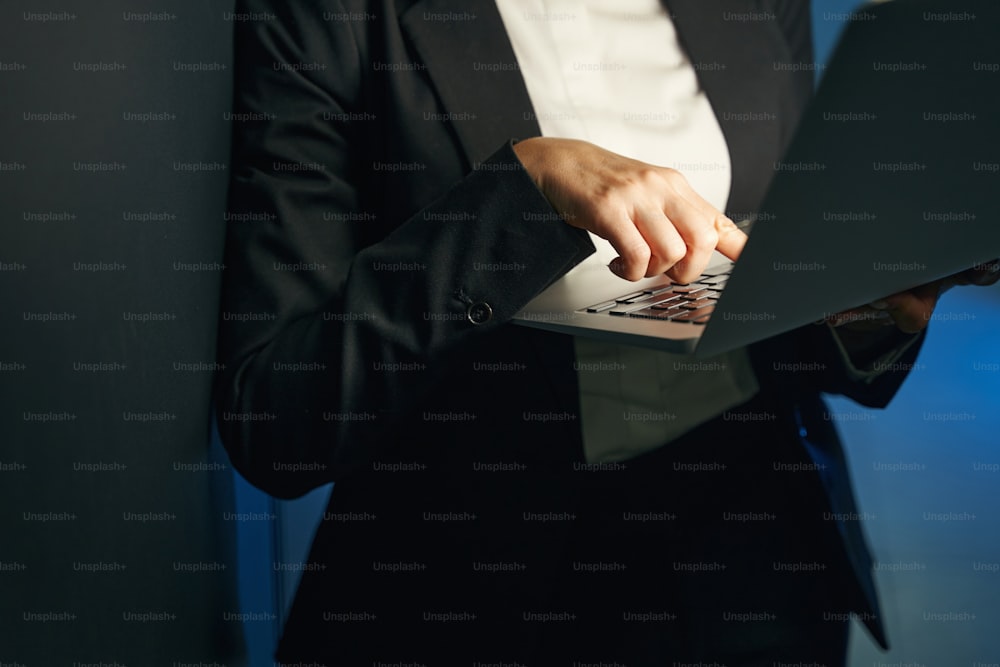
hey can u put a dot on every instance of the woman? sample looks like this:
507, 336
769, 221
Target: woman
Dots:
408, 176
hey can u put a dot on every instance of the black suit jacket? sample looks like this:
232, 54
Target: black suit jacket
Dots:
365, 343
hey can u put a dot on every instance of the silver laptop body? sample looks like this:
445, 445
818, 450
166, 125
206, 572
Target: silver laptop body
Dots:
892, 180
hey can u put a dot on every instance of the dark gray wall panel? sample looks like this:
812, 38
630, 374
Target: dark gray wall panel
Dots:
117, 520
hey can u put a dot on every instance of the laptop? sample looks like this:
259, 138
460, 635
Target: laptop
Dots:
891, 181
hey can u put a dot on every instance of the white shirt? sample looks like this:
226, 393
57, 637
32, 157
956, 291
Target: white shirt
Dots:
612, 72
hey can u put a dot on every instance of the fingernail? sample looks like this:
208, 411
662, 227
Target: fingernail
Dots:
616, 266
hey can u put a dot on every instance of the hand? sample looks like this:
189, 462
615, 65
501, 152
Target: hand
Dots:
911, 310
650, 214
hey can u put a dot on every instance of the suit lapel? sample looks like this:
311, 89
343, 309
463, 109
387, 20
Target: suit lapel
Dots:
474, 71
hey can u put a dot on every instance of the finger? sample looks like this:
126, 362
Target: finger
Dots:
912, 310
731, 239
666, 246
633, 251
982, 275
611, 218
695, 228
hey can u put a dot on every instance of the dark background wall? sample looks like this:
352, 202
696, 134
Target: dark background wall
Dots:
117, 539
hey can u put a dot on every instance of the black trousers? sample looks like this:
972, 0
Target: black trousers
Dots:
713, 549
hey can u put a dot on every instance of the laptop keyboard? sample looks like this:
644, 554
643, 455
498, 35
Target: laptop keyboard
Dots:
676, 302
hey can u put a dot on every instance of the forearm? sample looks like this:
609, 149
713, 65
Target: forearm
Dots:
325, 369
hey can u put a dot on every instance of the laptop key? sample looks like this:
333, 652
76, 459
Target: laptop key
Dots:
667, 304
659, 289
669, 314
695, 305
626, 308
629, 298
601, 307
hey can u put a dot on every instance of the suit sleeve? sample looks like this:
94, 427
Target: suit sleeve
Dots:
811, 358
321, 306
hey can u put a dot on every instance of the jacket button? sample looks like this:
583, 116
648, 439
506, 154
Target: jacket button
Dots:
479, 313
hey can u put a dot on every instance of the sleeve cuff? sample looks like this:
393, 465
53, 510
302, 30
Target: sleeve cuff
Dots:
870, 371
